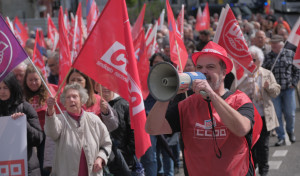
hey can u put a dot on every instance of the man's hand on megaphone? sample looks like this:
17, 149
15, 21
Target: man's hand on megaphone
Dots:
200, 85
183, 88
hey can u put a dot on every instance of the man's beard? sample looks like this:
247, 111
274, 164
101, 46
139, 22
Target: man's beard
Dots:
215, 85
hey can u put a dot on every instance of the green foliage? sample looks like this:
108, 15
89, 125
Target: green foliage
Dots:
131, 3
153, 10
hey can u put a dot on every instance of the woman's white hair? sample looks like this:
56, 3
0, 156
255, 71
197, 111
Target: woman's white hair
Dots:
257, 51
81, 91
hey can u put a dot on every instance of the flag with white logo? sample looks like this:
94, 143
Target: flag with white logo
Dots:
11, 52
230, 36
52, 32
110, 61
180, 20
13, 145
203, 19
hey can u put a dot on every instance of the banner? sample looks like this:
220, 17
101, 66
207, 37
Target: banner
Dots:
11, 52
13, 145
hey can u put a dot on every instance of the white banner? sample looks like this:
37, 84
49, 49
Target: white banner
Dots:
13, 146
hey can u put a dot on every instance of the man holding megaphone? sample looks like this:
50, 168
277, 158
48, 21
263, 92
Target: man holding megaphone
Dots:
216, 124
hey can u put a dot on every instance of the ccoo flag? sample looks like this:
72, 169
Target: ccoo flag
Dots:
11, 52
110, 60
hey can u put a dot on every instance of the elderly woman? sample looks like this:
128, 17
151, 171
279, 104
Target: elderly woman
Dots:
261, 86
12, 104
84, 148
94, 103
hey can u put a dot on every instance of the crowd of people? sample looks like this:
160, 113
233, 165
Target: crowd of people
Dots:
215, 139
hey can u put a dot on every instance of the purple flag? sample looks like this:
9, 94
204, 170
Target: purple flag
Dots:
11, 52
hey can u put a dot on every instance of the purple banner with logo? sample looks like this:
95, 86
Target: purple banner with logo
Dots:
11, 52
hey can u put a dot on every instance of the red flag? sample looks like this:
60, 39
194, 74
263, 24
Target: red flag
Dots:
143, 64
296, 60
180, 20
203, 20
230, 37
64, 51
91, 14
161, 20
52, 32
176, 41
42, 39
20, 32
109, 60
37, 57
76, 41
138, 25
298, 31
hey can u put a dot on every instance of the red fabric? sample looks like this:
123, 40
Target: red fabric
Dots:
138, 25
150, 40
298, 31
296, 60
96, 107
197, 136
91, 17
110, 60
285, 24
52, 31
175, 37
37, 57
230, 37
180, 21
20, 32
83, 168
143, 64
64, 51
203, 20
42, 40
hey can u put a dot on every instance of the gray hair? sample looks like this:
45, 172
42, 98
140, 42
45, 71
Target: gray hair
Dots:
81, 91
22, 65
260, 55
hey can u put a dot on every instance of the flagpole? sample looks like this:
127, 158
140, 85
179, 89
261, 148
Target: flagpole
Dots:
48, 91
180, 64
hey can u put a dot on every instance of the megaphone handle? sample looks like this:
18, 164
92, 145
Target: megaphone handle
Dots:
203, 93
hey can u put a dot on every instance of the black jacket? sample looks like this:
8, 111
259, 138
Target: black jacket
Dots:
34, 133
123, 136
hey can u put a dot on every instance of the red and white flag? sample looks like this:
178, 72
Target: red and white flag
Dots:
91, 14
20, 32
151, 41
143, 64
110, 61
203, 20
138, 25
37, 57
176, 43
180, 20
64, 51
42, 39
294, 36
10, 24
161, 20
52, 32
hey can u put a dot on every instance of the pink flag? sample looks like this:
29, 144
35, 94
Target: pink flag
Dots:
109, 60
176, 43
20, 32
180, 20
11, 52
203, 20
37, 57
64, 51
138, 25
